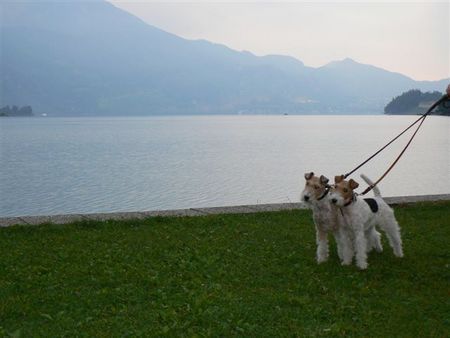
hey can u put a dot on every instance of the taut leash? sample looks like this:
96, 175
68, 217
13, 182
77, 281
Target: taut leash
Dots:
370, 187
420, 120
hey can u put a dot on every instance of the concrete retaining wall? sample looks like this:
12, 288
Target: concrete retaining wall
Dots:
63, 219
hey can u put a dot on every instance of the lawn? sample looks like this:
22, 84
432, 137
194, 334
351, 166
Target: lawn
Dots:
251, 275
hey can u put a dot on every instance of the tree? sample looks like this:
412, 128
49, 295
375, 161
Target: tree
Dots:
405, 102
16, 111
26, 111
410, 101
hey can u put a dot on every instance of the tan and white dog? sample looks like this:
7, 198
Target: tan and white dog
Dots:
360, 217
326, 219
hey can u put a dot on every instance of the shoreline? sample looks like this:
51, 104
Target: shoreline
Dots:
237, 209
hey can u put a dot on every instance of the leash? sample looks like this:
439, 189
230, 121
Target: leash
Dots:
420, 120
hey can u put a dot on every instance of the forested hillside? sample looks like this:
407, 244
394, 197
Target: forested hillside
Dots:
416, 102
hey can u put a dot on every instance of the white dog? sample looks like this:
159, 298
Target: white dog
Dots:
360, 217
326, 219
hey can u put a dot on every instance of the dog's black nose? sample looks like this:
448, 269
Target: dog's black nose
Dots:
333, 200
306, 198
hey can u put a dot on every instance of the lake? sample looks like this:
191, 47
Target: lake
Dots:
82, 165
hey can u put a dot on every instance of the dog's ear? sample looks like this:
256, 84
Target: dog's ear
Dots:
324, 180
353, 184
338, 179
308, 176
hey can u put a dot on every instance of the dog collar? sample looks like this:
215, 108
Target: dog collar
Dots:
324, 194
352, 200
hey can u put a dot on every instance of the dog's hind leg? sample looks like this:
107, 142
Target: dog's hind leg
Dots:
361, 250
374, 238
392, 230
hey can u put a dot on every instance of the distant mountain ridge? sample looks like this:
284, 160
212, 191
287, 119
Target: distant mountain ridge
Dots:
91, 58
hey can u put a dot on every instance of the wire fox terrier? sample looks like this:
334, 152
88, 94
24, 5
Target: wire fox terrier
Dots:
326, 219
360, 217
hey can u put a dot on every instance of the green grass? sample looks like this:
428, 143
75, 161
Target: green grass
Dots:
251, 275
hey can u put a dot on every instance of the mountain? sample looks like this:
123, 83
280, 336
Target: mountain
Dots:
91, 58
366, 85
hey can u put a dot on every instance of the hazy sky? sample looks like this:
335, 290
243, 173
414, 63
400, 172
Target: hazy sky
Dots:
412, 38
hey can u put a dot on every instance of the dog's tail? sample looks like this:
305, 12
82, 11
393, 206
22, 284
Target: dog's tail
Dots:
375, 189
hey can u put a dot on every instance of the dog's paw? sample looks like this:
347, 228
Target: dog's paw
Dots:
322, 259
379, 249
346, 263
362, 265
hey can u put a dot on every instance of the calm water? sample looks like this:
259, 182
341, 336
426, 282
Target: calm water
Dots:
80, 165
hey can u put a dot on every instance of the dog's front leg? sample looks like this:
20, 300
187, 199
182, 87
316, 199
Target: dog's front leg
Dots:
345, 247
339, 245
322, 245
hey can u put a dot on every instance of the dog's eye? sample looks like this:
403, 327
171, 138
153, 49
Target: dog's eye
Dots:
316, 187
345, 190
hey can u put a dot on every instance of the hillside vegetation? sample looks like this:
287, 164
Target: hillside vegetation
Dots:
415, 102
16, 111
